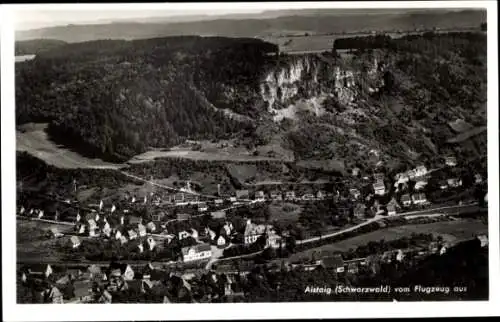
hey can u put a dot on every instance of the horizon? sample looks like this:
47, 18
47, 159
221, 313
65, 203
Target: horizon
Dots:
26, 20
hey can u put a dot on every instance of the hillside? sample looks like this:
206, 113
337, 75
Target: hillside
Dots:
388, 102
311, 22
36, 46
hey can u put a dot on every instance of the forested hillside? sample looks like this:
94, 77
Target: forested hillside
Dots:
36, 46
115, 99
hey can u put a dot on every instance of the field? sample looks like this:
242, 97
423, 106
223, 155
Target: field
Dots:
285, 212
451, 231
33, 139
32, 243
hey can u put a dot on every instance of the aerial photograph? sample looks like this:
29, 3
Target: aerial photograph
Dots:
252, 156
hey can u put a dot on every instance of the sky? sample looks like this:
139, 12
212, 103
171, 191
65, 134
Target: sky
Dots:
31, 19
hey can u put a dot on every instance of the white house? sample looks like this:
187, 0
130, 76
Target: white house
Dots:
253, 232
151, 243
419, 199
406, 200
123, 240
209, 232
196, 252
202, 207
151, 226
183, 234
451, 161
221, 241
142, 230
379, 188
194, 233
132, 234
75, 241
259, 196
118, 235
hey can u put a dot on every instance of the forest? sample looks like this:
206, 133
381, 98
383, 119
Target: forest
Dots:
114, 99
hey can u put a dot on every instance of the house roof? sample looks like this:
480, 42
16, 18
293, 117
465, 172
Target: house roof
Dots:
198, 248
405, 197
419, 196
333, 261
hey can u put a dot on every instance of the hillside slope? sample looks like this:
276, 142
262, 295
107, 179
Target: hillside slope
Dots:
390, 102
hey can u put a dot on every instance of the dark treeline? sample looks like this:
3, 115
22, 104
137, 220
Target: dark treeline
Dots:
113, 99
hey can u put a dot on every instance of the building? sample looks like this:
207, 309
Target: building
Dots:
178, 198
392, 207
260, 196
218, 202
55, 232
406, 200
141, 229
419, 185
419, 199
132, 234
183, 216
290, 195
335, 263
308, 196
39, 270
202, 207
221, 241
379, 187
184, 234
454, 182
354, 193
158, 216
253, 232
151, 243
242, 194
196, 252
421, 171
276, 195
450, 161
379, 176
483, 239
359, 211
320, 195
55, 296
218, 214
151, 226
122, 270
75, 241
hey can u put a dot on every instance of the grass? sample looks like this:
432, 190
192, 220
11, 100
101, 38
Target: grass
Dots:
285, 212
451, 231
33, 139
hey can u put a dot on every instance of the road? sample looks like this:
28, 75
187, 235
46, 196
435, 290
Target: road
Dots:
449, 209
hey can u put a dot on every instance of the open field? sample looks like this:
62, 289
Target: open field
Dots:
285, 212
451, 231
33, 139
198, 155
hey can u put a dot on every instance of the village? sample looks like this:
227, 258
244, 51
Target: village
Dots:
183, 230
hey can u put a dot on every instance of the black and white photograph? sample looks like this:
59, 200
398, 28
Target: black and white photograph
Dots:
251, 154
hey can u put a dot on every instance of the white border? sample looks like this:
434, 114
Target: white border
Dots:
15, 312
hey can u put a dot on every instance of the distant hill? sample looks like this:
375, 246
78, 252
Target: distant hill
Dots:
312, 21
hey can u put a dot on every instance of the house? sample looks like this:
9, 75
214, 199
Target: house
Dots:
333, 262
392, 207
228, 227
276, 195
419, 198
242, 194
122, 270
355, 172
151, 243
221, 241
290, 195
191, 198
141, 229
406, 200
359, 211
320, 195
218, 202
308, 196
95, 273
196, 252
420, 184
218, 214
132, 234
39, 269
178, 198
75, 241
379, 187
483, 239
202, 207
106, 229
55, 232
158, 216
379, 176
118, 235
420, 171
210, 233
274, 240
253, 232
151, 226
194, 233
354, 193
232, 199
92, 224
56, 296
123, 240
259, 196
183, 216
454, 182
450, 161
183, 234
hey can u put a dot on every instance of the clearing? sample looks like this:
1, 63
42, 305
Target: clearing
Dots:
33, 138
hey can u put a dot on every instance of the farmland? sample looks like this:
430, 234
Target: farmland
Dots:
451, 231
